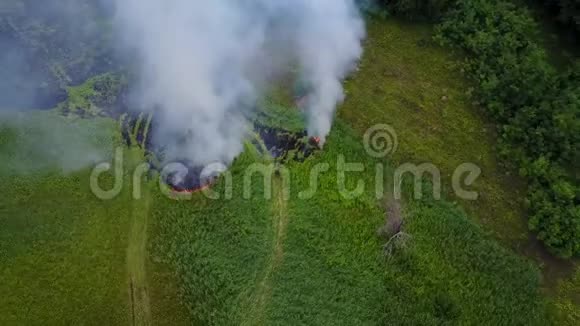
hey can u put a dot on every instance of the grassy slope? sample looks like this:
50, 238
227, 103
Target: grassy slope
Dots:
331, 271
217, 247
402, 82
334, 272
318, 261
460, 275
62, 250
68, 257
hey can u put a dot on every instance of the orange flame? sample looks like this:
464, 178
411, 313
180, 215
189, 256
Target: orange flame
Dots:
192, 191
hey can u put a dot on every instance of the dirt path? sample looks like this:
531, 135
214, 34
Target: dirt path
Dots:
256, 313
136, 261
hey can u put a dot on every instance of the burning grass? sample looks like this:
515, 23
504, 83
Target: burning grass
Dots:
283, 146
63, 251
270, 139
190, 179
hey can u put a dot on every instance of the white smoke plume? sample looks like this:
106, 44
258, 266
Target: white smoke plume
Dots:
204, 64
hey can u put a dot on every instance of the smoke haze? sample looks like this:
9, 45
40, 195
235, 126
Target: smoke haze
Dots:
45, 47
44, 141
203, 65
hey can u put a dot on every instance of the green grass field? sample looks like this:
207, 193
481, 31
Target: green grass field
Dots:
407, 82
415, 86
70, 258
63, 250
319, 261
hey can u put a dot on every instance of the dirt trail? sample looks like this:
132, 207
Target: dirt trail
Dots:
136, 262
256, 313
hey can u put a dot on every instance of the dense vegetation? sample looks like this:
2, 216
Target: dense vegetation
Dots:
216, 247
538, 111
461, 264
536, 108
409, 82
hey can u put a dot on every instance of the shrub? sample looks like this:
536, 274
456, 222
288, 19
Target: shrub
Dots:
537, 110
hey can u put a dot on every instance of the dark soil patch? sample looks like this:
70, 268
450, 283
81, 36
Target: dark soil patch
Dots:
285, 145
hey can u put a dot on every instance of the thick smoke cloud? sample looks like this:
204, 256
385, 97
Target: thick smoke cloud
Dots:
204, 64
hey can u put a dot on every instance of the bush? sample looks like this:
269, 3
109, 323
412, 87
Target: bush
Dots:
554, 209
537, 110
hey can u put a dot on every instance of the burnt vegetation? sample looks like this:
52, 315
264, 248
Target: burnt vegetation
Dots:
284, 145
